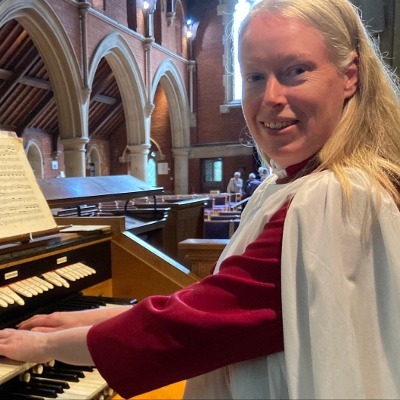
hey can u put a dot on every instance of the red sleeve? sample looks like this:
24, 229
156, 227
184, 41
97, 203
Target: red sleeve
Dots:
226, 318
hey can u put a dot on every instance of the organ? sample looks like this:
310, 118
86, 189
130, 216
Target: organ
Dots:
46, 276
68, 270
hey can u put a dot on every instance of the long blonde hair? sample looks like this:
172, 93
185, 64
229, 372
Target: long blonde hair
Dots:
368, 134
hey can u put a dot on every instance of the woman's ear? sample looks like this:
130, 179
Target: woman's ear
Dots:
352, 77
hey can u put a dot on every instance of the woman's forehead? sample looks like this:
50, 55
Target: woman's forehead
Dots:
269, 36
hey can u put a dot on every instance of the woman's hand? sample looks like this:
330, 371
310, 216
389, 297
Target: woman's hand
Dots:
23, 346
64, 320
67, 345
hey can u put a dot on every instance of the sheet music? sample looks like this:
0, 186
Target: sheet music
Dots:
23, 208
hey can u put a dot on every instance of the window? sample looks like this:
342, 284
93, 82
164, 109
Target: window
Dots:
99, 5
241, 10
212, 170
151, 171
233, 13
132, 14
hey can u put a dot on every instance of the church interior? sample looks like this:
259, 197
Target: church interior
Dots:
128, 117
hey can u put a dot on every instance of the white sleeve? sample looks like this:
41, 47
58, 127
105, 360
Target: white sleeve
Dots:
340, 293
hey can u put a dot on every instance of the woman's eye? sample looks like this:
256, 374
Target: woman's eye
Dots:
296, 71
254, 78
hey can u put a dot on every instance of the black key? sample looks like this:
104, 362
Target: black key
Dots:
46, 385
62, 384
72, 370
59, 375
111, 300
87, 303
69, 366
36, 391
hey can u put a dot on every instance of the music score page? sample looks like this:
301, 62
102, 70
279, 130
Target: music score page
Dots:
23, 208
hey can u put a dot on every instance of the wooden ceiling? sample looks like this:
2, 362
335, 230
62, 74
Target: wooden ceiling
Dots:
26, 95
27, 101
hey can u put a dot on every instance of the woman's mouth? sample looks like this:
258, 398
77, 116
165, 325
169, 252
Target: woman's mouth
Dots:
278, 125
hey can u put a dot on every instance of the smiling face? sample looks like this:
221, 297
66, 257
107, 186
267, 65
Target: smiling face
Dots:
293, 95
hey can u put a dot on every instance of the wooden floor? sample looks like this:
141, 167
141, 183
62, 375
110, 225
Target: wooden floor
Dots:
170, 392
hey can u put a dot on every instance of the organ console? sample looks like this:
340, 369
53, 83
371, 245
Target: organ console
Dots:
67, 271
46, 276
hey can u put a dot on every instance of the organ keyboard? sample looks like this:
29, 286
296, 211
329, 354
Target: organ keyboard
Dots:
49, 274
42, 278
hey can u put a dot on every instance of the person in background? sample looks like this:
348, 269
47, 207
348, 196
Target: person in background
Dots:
263, 172
251, 185
235, 184
304, 301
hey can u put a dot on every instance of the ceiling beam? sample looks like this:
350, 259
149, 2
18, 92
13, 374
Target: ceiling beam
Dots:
40, 107
46, 85
103, 122
29, 59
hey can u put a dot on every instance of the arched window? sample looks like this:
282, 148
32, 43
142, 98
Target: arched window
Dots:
152, 171
241, 10
233, 13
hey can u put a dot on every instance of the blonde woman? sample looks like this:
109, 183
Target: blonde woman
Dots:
304, 301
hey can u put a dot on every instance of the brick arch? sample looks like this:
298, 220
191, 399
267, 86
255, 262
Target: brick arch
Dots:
130, 83
93, 156
35, 158
39, 20
168, 76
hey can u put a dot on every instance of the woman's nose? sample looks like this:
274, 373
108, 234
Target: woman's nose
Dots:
274, 92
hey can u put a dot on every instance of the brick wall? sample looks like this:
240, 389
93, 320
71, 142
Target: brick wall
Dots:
161, 134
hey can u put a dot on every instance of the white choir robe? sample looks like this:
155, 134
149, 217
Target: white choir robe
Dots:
340, 295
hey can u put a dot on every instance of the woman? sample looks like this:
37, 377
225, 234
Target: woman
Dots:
304, 300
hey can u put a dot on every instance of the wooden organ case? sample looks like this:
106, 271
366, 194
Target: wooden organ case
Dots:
63, 271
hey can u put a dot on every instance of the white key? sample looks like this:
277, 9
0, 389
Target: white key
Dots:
65, 274
23, 285
83, 272
9, 292
20, 289
3, 303
31, 284
86, 388
6, 298
42, 283
56, 279
38, 369
53, 279
74, 270
87, 268
40, 288
10, 369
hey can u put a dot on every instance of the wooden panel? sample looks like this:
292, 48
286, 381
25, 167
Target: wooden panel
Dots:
116, 223
101, 289
200, 255
140, 270
185, 220
69, 192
